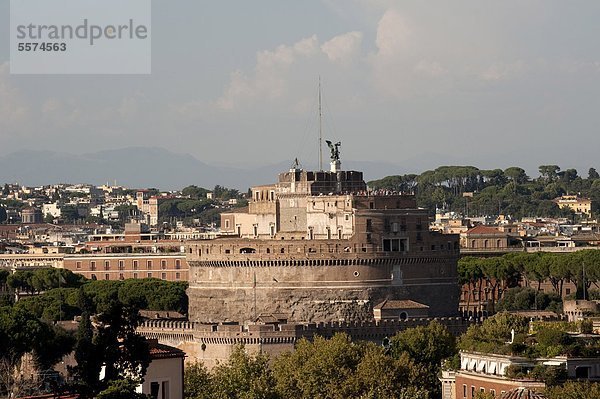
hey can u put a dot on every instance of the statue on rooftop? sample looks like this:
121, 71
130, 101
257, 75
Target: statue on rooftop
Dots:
335, 150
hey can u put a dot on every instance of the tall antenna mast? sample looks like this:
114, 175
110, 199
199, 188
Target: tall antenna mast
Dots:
320, 129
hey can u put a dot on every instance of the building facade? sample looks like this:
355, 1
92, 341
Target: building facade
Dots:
317, 246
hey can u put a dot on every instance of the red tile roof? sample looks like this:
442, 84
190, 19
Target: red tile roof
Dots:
160, 351
400, 304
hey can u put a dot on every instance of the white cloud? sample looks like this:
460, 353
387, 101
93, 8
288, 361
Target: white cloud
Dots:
344, 47
268, 80
393, 34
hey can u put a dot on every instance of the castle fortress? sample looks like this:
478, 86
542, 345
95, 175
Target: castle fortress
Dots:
320, 247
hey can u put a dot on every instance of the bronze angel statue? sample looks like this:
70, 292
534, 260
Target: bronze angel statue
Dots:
335, 150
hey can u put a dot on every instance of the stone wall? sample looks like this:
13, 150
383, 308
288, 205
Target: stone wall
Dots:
212, 343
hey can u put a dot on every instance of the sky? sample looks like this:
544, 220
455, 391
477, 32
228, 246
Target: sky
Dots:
484, 83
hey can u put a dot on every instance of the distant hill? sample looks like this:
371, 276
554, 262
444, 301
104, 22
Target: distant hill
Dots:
139, 167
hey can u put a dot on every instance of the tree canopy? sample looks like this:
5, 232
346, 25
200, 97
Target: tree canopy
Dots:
495, 191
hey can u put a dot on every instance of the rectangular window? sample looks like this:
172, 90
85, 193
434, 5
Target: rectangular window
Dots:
464, 391
165, 390
135, 265
369, 225
78, 265
149, 264
121, 264
163, 264
163, 276
106, 265
149, 275
493, 392
177, 264
387, 246
135, 275
177, 276
93, 265
472, 392
121, 277
107, 276
227, 224
395, 227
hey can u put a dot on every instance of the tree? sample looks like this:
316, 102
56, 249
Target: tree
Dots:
574, 390
116, 345
21, 333
122, 389
516, 174
3, 215
197, 382
549, 172
493, 334
195, 192
89, 360
593, 174
427, 347
338, 368
243, 376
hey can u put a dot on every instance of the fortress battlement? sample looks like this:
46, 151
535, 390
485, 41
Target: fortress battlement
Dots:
360, 330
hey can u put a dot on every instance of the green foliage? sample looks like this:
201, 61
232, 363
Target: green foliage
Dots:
195, 192
243, 377
339, 368
38, 280
574, 390
149, 293
22, 332
3, 215
54, 305
550, 375
427, 347
494, 334
524, 298
197, 382
114, 345
495, 191
122, 389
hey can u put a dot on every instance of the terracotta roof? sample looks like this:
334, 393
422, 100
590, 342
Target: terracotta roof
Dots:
485, 230
160, 351
522, 393
400, 304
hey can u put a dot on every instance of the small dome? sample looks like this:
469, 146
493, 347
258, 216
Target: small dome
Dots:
522, 393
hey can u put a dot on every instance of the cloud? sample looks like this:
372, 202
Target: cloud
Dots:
344, 47
393, 34
498, 72
268, 80
429, 68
